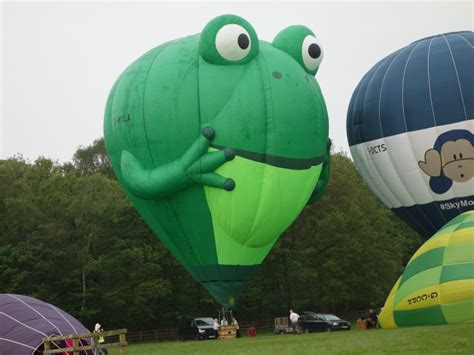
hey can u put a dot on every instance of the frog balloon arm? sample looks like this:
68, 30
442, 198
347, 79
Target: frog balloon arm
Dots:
151, 183
323, 181
197, 165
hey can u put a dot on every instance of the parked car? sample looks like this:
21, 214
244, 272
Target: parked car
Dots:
199, 328
320, 322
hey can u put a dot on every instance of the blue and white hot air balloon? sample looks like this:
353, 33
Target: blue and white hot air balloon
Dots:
410, 128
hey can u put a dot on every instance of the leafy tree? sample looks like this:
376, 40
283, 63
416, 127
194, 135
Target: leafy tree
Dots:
93, 159
69, 236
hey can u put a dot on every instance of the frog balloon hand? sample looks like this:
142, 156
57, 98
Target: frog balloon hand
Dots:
201, 164
197, 165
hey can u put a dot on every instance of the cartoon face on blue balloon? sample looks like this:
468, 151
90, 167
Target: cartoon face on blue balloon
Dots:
451, 159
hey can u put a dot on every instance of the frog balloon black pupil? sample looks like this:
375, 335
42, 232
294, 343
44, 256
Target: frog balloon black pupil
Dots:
243, 41
314, 51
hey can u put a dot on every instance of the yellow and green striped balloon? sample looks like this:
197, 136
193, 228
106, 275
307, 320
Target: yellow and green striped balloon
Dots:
437, 286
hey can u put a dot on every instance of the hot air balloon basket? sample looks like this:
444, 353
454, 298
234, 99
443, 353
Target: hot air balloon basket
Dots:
361, 324
228, 332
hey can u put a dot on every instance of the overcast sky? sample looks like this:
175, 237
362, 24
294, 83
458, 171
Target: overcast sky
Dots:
59, 60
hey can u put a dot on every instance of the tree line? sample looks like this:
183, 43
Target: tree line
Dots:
69, 236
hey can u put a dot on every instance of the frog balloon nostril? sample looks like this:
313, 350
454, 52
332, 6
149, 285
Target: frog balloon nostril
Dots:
277, 75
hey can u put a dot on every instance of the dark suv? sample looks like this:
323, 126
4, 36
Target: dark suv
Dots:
319, 322
196, 328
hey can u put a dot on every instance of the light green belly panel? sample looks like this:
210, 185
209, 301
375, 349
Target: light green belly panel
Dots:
248, 220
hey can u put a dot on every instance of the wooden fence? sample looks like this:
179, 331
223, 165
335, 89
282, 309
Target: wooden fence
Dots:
262, 325
353, 315
116, 336
152, 335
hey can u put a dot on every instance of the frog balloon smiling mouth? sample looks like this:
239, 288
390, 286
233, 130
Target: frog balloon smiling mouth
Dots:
225, 141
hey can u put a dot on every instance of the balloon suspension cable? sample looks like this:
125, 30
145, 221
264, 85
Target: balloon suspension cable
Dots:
225, 316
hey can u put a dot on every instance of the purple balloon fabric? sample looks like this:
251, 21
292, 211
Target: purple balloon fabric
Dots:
25, 321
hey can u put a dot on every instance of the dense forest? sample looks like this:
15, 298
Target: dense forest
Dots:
69, 236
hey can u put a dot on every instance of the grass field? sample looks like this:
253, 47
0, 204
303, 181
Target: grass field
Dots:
457, 338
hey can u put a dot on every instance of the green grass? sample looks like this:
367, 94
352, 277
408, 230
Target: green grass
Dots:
457, 338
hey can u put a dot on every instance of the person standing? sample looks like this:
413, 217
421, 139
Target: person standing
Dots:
294, 317
216, 327
100, 340
236, 324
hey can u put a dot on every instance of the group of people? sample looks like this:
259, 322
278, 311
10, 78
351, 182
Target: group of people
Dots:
224, 322
369, 322
372, 319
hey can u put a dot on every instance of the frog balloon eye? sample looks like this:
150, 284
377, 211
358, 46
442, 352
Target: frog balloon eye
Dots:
228, 39
300, 43
233, 42
311, 52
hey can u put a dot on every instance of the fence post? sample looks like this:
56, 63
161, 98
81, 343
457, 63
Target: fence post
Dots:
47, 345
75, 345
123, 342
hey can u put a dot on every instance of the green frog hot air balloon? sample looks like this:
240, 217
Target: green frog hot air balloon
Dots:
220, 140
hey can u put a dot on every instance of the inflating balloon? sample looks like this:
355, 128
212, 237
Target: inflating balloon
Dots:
437, 286
219, 140
26, 321
410, 127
